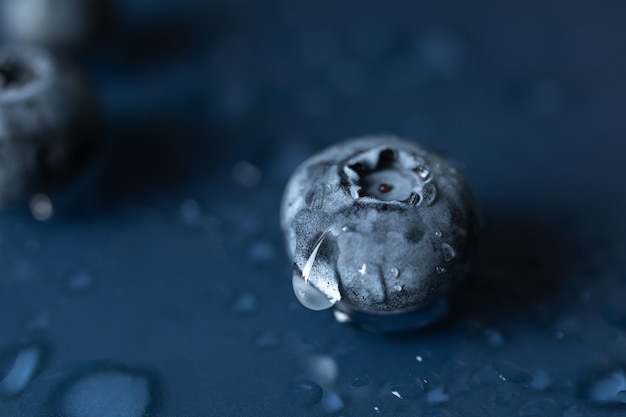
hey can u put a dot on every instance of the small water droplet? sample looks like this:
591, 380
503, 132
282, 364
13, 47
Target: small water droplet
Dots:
440, 269
246, 174
304, 393
341, 317
511, 372
360, 381
80, 282
437, 396
41, 207
422, 172
396, 394
190, 212
106, 392
448, 252
392, 273
397, 288
419, 358
246, 303
18, 367
438, 234
428, 194
268, 339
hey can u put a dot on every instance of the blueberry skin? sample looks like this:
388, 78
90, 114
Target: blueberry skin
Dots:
49, 123
399, 226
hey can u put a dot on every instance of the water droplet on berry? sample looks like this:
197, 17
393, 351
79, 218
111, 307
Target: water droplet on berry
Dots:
422, 172
308, 295
392, 273
438, 234
448, 252
440, 269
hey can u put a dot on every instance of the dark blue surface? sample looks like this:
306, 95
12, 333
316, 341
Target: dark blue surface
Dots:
182, 273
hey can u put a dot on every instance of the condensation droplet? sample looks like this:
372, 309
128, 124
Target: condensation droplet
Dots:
41, 207
448, 252
22, 366
440, 269
428, 194
438, 234
308, 295
107, 392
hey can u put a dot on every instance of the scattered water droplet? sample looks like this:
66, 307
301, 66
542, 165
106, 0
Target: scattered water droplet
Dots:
397, 288
41, 207
18, 367
80, 282
304, 393
438, 234
341, 317
261, 252
392, 273
106, 392
246, 303
429, 194
422, 172
322, 369
190, 212
331, 402
440, 269
360, 381
511, 372
606, 386
448, 252
437, 396
267, 340
246, 174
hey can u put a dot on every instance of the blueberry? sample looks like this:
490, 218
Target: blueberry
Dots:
49, 124
378, 226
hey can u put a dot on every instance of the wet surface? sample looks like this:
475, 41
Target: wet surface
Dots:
168, 277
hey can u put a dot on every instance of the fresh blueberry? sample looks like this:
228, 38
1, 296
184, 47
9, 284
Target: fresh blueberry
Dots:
49, 124
378, 226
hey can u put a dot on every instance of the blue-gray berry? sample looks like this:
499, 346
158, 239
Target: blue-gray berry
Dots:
378, 225
49, 125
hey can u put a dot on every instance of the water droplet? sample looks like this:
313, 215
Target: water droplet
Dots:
18, 367
440, 269
261, 252
397, 288
422, 172
360, 381
80, 282
322, 369
246, 303
606, 386
511, 372
392, 273
106, 392
267, 340
428, 194
304, 393
190, 212
41, 207
246, 174
308, 295
409, 391
341, 317
331, 402
448, 252
437, 396
438, 234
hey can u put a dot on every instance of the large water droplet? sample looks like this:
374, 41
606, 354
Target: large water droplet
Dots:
18, 368
308, 295
448, 252
41, 207
606, 387
105, 393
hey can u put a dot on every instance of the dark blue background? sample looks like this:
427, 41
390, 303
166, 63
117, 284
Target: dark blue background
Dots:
529, 98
